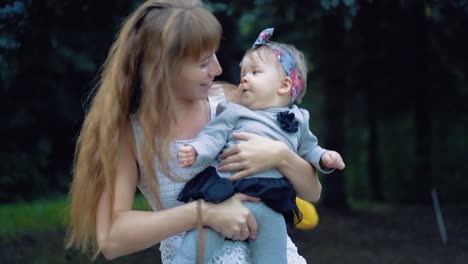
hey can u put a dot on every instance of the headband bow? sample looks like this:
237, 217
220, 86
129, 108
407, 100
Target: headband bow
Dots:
285, 58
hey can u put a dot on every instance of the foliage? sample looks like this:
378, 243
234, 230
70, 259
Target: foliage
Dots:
401, 67
51, 52
351, 7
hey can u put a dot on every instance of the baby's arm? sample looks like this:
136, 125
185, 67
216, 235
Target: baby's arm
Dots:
332, 159
206, 146
187, 156
322, 159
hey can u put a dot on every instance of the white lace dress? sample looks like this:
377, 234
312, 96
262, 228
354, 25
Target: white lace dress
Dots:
229, 252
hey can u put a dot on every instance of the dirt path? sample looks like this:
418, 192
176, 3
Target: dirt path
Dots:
386, 235
376, 236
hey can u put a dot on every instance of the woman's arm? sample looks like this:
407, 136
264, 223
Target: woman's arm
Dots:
302, 175
121, 230
249, 157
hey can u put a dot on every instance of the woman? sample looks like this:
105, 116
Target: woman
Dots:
155, 94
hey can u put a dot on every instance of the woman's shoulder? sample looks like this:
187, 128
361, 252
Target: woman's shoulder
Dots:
225, 90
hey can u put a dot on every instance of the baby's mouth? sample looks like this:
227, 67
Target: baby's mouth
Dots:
243, 89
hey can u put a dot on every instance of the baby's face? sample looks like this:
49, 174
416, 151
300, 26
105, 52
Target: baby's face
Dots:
260, 82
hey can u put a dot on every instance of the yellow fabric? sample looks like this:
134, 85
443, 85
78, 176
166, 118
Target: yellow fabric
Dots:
309, 215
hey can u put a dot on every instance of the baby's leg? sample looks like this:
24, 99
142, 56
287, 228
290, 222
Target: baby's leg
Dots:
270, 244
188, 251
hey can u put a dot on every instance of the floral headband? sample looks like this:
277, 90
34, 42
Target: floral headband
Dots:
285, 58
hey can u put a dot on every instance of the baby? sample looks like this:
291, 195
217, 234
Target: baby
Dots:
273, 78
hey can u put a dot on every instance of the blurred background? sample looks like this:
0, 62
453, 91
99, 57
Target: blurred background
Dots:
387, 88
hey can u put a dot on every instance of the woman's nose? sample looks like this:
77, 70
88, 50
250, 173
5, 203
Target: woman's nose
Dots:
215, 68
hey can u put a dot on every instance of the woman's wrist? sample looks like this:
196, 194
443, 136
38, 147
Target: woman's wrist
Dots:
204, 211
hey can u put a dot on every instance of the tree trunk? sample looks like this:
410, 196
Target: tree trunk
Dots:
421, 93
370, 38
375, 178
333, 71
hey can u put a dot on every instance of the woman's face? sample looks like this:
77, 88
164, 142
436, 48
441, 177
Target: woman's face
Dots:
196, 76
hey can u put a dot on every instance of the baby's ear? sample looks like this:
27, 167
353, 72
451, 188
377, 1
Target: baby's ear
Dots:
285, 87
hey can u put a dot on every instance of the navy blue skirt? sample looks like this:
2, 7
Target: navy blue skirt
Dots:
276, 193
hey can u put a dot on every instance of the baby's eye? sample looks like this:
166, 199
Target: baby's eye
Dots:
255, 72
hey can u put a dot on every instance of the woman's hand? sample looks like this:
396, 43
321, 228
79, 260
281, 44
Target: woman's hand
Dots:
254, 155
231, 218
259, 153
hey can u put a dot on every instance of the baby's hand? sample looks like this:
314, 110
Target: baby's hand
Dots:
187, 155
332, 159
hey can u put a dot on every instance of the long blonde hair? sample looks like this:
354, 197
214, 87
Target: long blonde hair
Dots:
136, 78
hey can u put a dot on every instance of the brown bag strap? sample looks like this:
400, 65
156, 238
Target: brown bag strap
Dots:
201, 234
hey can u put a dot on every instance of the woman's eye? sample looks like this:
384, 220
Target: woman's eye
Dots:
205, 63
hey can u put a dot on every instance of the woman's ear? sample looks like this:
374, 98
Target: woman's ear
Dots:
285, 87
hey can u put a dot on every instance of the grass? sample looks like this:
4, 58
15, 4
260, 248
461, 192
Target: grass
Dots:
35, 216
41, 215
